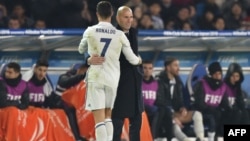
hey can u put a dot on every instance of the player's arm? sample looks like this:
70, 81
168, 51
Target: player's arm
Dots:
128, 52
83, 46
3, 95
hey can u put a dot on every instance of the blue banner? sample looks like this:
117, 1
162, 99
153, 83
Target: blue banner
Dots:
77, 32
37, 32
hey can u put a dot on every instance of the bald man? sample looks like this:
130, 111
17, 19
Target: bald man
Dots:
129, 101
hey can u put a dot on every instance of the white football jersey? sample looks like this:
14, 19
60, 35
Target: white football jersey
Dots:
105, 40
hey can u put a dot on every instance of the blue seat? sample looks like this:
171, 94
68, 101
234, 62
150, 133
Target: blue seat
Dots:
2, 69
198, 71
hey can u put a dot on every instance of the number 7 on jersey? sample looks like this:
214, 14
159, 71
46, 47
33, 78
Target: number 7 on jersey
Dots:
106, 45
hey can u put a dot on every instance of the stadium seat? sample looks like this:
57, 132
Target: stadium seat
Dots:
198, 71
2, 69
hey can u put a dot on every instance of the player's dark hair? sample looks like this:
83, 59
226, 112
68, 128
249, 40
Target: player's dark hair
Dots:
169, 61
104, 9
15, 66
147, 62
42, 62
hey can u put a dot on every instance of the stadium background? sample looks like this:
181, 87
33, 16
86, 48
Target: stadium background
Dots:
64, 21
194, 31
60, 47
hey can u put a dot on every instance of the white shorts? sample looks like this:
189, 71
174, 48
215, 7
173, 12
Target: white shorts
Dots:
99, 96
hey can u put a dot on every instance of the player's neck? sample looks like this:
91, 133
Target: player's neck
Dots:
108, 20
147, 77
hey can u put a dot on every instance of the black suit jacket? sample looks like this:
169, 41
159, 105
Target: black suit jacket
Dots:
129, 101
164, 99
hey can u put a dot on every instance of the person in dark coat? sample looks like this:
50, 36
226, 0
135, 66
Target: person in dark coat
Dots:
129, 100
237, 113
172, 115
168, 100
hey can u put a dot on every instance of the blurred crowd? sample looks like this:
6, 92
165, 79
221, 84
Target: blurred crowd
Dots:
148, 14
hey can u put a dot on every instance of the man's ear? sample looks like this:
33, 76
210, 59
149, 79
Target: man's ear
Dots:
167, 68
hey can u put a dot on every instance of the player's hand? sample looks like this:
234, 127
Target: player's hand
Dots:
183, 111
96, 60
178, 122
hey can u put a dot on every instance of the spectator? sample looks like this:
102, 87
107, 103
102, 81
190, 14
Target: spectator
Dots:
220, 3
76, 11
39, 86
149, 91
227, 5
170, 103
87, 16
68, 14
14, 23
137, 12
3, 16
45, 9
245, 25
146, 22
168, 11
10, 4
212, 6
19, 12
170, 25
187, 26
205, 22
135, 23
67, 80
40, 24
237, 114
210, 99
235, 17
14, 90
154, 10
193, 16
140, 3
182, 17
219, 23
